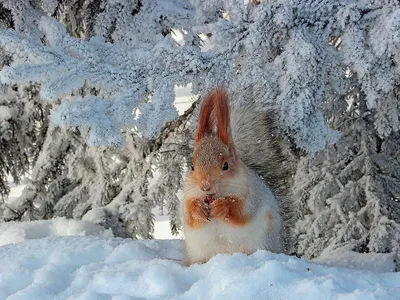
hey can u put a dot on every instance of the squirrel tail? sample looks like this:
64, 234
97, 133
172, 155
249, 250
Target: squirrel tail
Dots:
262, 145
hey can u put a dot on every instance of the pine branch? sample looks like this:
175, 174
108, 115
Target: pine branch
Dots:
154, 145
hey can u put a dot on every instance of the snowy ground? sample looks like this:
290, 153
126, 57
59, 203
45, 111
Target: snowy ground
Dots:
70, 259
17, 232
99, 267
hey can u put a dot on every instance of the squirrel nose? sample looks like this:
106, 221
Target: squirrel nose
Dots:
206, 186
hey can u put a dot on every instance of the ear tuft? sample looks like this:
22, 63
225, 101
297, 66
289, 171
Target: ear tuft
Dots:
222, 113
214, 116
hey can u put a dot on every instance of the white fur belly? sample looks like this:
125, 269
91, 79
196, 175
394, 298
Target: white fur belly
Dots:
218, 237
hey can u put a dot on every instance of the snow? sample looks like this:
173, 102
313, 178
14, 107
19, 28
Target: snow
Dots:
15, 232
70, 259
183, 98
7, 113
344, 257
15, 190
95, 267
162, 228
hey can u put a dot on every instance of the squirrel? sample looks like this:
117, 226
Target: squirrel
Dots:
227, 205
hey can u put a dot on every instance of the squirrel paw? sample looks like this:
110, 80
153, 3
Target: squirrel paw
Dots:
219, 208
230, 210
200, 210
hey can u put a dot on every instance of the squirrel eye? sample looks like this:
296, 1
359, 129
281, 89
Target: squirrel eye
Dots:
192, 167
225, 166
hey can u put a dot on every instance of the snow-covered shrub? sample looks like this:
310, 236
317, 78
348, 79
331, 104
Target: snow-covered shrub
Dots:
348, 195
109, 68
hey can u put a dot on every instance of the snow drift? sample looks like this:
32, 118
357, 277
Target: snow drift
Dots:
94, 267
15, 232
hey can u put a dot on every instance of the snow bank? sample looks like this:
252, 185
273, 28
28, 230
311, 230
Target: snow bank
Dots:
94, 267
344, 257
16, 232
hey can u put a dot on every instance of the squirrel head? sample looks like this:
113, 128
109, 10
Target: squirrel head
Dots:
215, 167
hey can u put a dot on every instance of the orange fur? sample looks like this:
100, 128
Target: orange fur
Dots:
223, 117
230, 210
204, 125
196, 213
217, 102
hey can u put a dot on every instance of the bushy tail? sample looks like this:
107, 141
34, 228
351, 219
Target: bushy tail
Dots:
262, 146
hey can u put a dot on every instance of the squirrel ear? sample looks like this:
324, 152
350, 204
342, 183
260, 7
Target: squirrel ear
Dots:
214, 117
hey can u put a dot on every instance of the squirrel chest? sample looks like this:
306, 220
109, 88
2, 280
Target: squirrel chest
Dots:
255, 225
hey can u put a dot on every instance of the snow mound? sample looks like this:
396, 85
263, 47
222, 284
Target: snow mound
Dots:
16, 232
93, 267
345, 257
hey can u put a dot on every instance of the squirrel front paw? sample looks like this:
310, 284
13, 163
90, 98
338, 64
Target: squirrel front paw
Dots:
230, 211
219, 208
202, 211
197, 212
